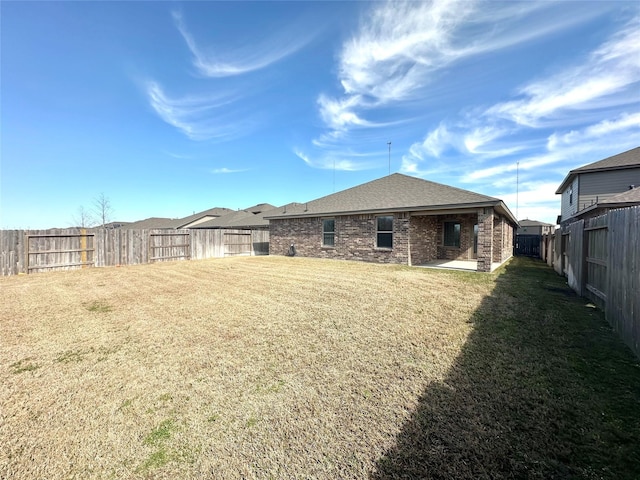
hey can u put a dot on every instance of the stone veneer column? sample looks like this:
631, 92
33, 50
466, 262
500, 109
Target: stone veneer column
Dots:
485, 239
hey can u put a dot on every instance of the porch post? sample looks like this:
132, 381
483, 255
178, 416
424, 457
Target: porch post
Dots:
485, 239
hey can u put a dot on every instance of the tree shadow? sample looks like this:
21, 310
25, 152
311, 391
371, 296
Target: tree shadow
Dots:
542, 389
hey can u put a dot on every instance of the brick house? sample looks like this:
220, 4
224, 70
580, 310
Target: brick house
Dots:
397, 219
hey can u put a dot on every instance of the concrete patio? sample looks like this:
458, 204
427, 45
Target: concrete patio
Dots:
466, 265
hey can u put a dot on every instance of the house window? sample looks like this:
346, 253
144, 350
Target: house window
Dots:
328, 232
384, 231
451, 234
571, 195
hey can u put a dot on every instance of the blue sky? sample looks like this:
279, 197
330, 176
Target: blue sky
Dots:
168, 108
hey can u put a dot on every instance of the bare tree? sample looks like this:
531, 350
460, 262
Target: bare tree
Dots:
102, 210
83, 218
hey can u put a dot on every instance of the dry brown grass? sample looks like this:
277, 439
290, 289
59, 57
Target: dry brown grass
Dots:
264, 367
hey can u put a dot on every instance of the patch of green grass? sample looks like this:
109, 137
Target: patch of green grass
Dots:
157, 459
165, 397
126, 404
72, 356
213, 418
23, 365
252, 422
99, 306
161, 433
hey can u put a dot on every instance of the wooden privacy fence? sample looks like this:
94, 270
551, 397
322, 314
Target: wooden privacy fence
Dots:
600, 257
29, 251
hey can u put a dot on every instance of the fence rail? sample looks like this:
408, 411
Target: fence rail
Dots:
31, 251
601, 259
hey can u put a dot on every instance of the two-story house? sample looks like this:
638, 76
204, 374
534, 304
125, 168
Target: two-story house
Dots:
591, 188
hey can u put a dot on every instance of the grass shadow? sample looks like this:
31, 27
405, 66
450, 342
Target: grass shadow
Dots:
542, 389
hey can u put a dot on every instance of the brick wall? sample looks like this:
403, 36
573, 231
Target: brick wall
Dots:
423, 237
355, 238
502, 239
465, 251
485, 237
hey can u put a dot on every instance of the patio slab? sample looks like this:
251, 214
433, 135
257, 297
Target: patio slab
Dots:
467, 265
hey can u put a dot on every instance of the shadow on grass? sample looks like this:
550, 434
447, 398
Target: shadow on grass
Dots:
542, 389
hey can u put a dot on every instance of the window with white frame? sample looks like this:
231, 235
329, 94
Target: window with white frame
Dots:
384, 231
328, 232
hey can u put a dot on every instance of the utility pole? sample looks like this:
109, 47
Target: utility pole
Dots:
389, 143
517, 186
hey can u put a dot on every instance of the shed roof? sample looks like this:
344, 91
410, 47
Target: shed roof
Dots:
396, 192
628, 159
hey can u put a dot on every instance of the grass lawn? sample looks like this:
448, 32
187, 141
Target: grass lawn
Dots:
276, 367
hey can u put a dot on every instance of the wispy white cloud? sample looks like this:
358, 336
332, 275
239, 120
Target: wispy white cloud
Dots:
224, 170
198, 117
400, 48
555, 110
349, 162
624, 124
214, 62
610, 76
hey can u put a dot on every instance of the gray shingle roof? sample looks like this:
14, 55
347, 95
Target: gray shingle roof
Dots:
396, 192
212, 212
534, 223
153, 222
628, 159
258, 220
224, 221
260, 208
629, 196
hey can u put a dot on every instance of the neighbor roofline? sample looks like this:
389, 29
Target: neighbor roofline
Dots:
608, 206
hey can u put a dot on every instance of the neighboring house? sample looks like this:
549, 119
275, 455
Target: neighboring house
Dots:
625, 199
152, 223
201, 217
224, 221
529, 237
251, 218
397, 219
174, 223
592, 185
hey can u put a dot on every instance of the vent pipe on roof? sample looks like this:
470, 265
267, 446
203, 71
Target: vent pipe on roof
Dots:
306, 207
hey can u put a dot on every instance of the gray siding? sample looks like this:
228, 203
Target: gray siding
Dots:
597, 186
567, 209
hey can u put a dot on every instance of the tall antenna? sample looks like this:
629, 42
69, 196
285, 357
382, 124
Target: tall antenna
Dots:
517, 186
389, 143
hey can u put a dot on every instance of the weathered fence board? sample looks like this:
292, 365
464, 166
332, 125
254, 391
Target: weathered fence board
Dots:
622, 307
63, 249
237, 243
573, 252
